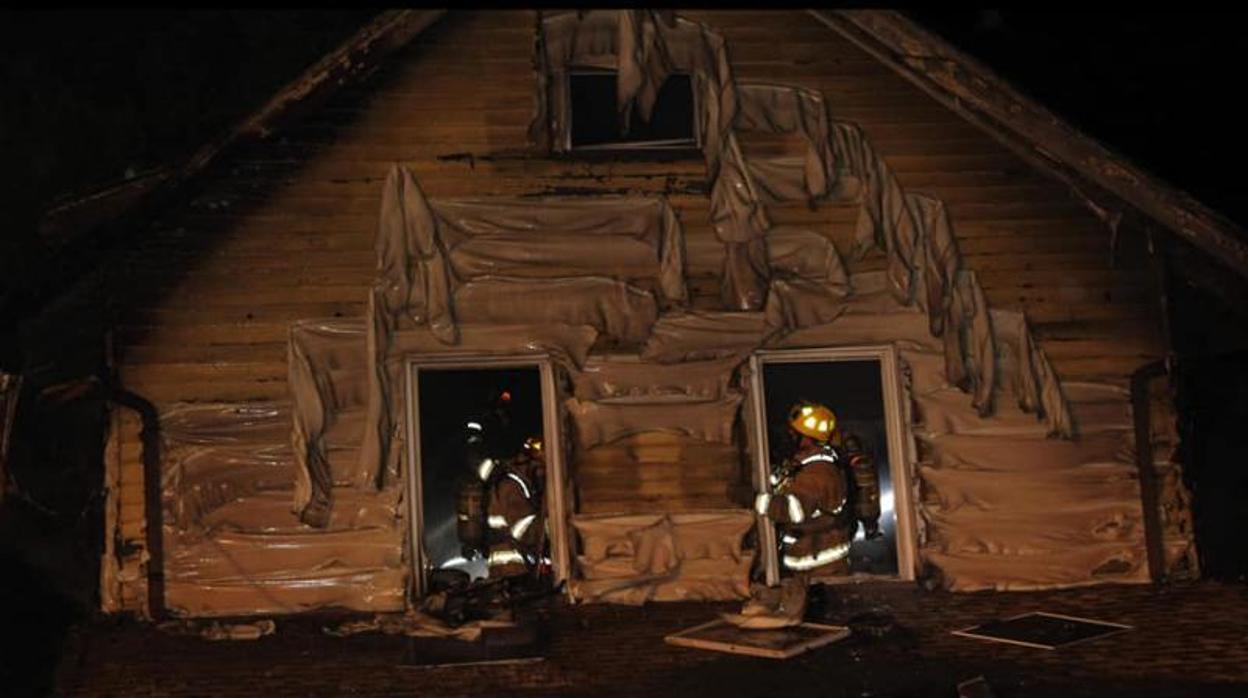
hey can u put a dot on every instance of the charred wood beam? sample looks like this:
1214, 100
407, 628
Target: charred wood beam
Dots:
10, 391
1150, 498
1158, 247
1040, 136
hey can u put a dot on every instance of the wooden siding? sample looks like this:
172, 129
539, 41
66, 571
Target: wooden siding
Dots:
285, 230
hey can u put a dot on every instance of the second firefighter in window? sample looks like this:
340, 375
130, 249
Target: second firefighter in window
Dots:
820, 494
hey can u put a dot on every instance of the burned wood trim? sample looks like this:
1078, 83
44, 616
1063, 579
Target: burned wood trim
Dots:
976, 93
1158, 251
355, 57
153, 515
1141, 412
10, 392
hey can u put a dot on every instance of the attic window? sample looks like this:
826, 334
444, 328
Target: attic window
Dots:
596, 125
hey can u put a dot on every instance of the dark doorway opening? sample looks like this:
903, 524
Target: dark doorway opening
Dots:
506, 403
853, 389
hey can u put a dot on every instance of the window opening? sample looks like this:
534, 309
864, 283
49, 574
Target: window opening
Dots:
595, 123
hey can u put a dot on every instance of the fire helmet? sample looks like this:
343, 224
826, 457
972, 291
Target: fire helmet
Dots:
813, 420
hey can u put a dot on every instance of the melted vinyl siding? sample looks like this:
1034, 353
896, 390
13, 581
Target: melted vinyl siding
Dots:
1033, 245
284, 231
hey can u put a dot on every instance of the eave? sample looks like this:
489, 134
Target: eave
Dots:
1108, 182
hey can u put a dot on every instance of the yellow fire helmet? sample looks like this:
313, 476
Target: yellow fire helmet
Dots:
813, 420
533, 446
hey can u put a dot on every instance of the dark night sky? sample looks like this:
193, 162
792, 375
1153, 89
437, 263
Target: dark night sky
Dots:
92, 95
1161, 88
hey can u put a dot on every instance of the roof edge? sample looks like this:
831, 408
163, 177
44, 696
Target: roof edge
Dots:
990, 102
70, 218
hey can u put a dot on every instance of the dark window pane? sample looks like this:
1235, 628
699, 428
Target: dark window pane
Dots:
593, 109
594, 119
673, 114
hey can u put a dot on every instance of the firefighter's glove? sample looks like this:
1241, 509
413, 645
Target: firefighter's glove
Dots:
762, 503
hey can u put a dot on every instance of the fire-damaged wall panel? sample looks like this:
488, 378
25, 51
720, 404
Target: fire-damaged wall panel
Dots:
994, 285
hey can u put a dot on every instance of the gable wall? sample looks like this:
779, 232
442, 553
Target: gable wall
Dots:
285, 230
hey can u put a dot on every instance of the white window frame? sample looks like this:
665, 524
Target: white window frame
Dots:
901, 451
552, 434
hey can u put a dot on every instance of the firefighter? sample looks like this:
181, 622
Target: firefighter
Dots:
820, 495
517, 529
486, 437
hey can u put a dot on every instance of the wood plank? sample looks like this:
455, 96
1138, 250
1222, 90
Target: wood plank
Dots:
190, 353
208, 333
1098, 366
1041, 310
261, 313
1127, 330
1098, 277
1144, 349
212, 391
592, 489
644, 505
